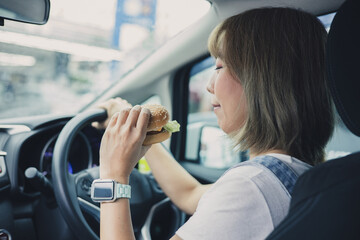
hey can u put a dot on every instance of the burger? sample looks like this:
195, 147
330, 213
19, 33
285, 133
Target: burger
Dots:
159, 128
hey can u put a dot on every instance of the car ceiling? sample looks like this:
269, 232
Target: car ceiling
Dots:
191, 44
227, 8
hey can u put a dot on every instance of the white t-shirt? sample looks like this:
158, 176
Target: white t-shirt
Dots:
247, 202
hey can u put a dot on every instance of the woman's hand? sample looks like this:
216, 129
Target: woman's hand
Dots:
121, 145
112, 106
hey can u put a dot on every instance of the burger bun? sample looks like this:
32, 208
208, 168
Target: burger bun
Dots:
159, 117
156, 138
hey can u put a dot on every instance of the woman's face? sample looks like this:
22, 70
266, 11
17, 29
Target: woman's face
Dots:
228, 98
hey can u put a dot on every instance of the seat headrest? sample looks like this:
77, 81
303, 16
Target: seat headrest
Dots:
343, 63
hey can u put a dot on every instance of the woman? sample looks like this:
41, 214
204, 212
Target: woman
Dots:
270, 96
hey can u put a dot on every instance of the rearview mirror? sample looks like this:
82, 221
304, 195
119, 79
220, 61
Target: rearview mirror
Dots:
28, 11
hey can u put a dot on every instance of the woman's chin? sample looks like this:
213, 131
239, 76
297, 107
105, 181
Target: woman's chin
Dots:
223, 126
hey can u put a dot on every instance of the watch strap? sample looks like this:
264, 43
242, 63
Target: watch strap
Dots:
122, 190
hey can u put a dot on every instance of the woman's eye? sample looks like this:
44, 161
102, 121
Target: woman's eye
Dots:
218, 68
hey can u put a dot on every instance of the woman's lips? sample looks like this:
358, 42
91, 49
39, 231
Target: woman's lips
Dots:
216, 106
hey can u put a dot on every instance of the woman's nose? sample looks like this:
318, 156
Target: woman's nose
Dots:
210, 85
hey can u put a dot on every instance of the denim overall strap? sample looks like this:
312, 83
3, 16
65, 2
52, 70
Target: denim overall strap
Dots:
281, 170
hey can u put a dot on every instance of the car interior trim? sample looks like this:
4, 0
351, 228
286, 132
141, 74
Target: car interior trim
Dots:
15, 129
91, 209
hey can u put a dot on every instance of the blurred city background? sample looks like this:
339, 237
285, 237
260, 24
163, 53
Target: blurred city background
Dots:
86, 46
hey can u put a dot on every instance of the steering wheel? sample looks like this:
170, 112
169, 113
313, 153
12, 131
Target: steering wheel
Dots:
72, 191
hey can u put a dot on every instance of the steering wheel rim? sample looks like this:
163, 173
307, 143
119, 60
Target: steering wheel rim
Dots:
64, 189
147, 198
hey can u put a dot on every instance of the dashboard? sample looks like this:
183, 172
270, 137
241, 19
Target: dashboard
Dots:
32, 146
30, 212
29, 143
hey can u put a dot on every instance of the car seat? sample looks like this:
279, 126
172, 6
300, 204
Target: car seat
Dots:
326, 199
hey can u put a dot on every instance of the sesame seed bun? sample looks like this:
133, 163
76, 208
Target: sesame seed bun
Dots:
159, 117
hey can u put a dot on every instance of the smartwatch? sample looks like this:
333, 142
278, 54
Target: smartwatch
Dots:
107, 190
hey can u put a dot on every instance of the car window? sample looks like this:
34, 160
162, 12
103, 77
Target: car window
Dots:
343, 142
327, 20
85, 47
206, 143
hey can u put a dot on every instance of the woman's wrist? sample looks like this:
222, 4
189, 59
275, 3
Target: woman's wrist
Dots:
116, 177
115, 174
122, 180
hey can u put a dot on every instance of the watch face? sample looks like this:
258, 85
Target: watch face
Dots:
102, 190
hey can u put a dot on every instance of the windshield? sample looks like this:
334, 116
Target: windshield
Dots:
84, 48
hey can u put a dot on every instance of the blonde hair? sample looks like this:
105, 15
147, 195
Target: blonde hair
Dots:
278, 55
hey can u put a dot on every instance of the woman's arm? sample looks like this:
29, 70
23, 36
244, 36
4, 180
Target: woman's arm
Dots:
175, 237
116, 220
183, 189
121, 148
